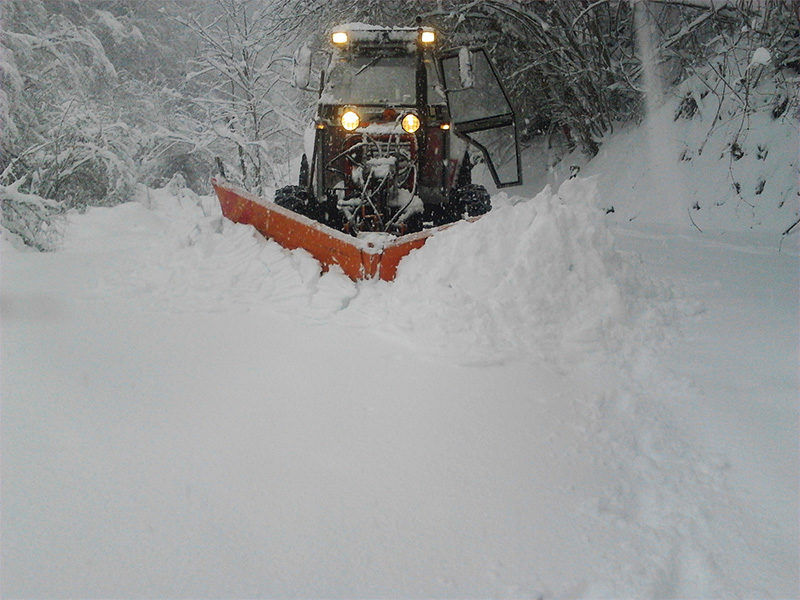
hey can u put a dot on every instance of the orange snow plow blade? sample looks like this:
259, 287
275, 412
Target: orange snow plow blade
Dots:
358, 258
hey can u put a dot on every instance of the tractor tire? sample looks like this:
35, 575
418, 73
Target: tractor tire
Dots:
297, 199
471, 200
413, 224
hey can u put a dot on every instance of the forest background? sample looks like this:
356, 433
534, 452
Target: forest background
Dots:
97, 96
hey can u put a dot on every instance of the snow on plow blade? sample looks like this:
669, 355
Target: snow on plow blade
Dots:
358, 258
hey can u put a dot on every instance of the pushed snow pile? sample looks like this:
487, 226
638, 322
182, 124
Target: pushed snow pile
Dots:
536, 276
173, 251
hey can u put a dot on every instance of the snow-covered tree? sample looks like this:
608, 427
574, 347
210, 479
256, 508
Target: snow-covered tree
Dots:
77, 108
242, 83
96, 95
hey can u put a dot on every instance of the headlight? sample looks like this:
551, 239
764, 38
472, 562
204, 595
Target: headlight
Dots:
350, 120
411, 122
427, 37
339, 37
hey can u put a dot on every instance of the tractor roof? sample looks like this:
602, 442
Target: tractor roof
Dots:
363, 34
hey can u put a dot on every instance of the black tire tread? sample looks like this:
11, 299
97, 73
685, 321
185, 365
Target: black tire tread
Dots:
297, 199
471, 200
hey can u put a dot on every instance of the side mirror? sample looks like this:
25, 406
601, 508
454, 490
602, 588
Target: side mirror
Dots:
466, 77
301, 68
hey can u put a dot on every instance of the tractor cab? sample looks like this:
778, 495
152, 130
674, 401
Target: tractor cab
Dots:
396, 119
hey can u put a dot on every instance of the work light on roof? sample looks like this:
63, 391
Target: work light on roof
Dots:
427, 37
339, 37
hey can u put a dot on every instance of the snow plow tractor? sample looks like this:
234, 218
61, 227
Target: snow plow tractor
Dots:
400, 126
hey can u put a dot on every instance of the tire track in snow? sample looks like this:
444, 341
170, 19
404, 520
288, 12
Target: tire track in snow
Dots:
690, 534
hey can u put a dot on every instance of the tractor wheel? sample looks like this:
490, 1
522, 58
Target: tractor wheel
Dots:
297, 199
414, 223
471, 200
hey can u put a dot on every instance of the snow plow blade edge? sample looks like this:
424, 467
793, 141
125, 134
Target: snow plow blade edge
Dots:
358, 259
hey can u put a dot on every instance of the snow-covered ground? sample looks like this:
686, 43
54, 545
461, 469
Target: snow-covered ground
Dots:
539, 406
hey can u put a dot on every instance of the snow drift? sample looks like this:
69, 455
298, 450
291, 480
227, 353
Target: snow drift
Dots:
536, 276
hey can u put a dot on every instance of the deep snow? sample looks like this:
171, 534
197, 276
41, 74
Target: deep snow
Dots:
190, 410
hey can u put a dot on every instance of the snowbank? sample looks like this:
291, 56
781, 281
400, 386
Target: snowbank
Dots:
702, 164
536, 276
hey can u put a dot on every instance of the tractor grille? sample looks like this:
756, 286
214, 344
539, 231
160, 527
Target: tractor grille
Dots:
377, 147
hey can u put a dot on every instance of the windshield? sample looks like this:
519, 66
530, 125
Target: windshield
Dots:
383, 80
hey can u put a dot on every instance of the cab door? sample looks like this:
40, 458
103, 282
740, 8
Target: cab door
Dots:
482, 113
